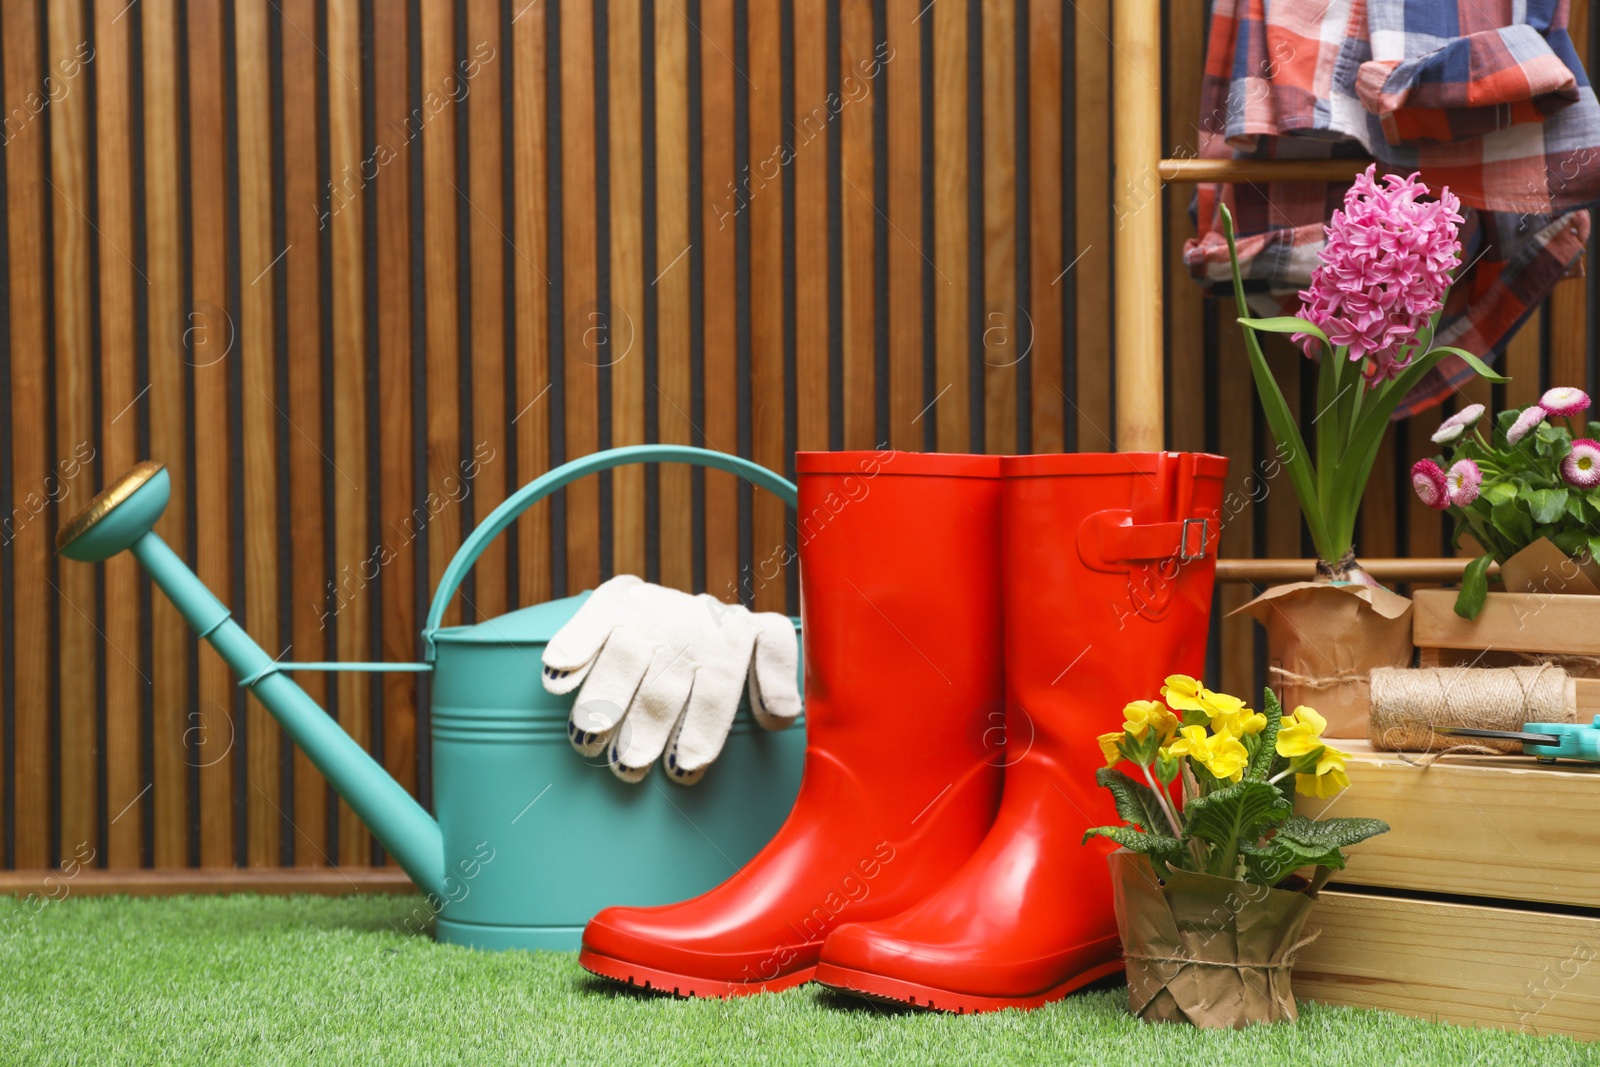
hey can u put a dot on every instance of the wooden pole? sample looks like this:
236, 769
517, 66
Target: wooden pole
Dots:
1331, 171
1136, 85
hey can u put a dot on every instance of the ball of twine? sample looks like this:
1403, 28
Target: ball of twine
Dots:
1407, 704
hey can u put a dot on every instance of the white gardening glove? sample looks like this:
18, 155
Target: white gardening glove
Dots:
664, 670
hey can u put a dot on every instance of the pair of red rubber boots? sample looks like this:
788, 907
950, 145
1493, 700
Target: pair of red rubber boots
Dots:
971, 624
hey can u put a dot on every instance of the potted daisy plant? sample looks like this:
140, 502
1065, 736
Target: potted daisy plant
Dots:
1368, 319
1526, 488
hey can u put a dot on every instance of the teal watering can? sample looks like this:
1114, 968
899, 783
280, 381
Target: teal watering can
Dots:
530, 839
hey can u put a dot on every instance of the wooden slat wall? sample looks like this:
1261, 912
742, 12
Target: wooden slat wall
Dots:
356, 271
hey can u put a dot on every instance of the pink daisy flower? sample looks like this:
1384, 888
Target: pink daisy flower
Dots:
1463, 482
1564, 400
1581, 468
1452, 428
1428, 479
1525, 424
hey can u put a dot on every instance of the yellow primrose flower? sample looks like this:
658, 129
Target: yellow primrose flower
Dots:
1330, 778
1182, 693
1108, 746
1221, 754
1242, 723
1145, 714
1301, 732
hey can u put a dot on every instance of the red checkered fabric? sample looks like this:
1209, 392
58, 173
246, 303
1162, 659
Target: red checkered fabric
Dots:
1487, 97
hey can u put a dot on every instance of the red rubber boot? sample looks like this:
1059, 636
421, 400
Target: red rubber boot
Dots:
899, 575
1109, 562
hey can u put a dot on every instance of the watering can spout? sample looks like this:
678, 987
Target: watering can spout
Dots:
123, 517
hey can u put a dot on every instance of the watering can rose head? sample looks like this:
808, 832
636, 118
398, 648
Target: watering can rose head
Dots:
1384, 272
1238, 770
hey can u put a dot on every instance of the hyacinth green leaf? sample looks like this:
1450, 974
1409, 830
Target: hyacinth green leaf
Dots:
1288, 324
1280, 419
1474, 587
1479, 367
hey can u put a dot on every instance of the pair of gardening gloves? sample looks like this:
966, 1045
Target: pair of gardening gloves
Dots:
663, 670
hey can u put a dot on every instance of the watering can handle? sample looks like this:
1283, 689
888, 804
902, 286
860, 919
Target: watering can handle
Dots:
543, 486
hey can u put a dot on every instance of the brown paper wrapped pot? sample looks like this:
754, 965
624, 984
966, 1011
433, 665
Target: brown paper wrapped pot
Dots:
1323, 641
1204, 950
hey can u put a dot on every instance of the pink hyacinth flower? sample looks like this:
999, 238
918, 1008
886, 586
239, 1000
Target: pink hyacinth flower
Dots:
1564, 400
1385, 270
1463, 482
1428, 479
1525, 424
1581, 468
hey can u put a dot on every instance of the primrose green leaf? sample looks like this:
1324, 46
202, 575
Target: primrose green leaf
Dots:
1136, 802
1166, 848
1240, 812
1330, 833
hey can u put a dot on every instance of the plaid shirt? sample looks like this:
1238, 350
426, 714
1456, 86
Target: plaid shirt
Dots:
1487, 97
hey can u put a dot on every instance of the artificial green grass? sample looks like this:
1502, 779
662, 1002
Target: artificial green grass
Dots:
248, 979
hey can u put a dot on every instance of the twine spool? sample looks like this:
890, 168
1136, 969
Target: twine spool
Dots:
1407, 704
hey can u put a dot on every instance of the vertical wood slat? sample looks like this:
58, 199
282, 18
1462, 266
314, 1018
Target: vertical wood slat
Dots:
400, 522
899, 76
73, 364
764, 175
950, 237
485, 455
1046, 191
28, 527
308, 467
351, 608
440, 208
119, 424
625, 317
257, 355
722, 201
856, 165
1003, 333
532, 383
1091, 399
672, 284
814, 113
582, 319
210, 356
169, 423
1183, 299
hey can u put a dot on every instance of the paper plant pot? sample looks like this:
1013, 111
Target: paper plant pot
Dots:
1543, 568
1204, 950
1324, 639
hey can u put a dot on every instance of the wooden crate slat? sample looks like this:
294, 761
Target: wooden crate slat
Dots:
1494, 826
1554, 624
1460, 963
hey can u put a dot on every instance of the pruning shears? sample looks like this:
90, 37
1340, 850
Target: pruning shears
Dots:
1545, 741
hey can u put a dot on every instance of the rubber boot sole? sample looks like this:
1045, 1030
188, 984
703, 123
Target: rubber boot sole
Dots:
682, 985
895, 991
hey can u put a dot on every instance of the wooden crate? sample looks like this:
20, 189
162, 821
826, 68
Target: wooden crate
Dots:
1480, 906
1511, 628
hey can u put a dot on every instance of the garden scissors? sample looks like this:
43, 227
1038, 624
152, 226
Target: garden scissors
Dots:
1545, 741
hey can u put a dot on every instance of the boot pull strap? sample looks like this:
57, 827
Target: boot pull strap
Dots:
1150, 528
